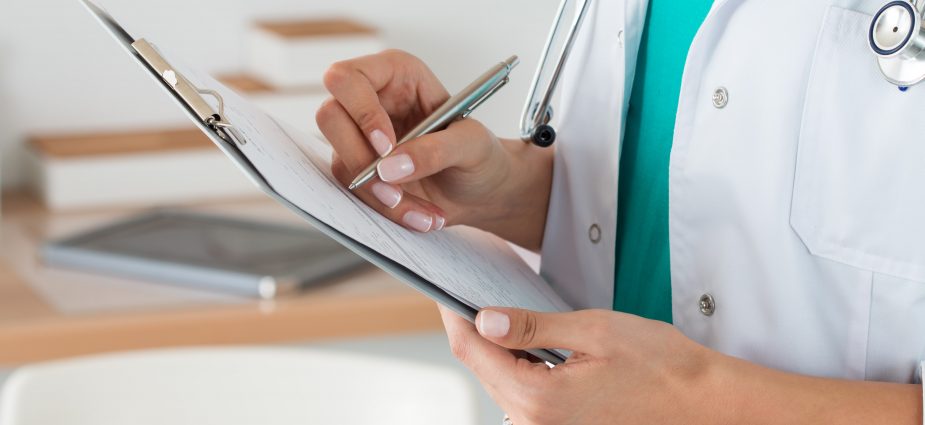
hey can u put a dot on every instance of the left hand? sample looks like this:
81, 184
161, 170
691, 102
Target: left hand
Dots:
624, 369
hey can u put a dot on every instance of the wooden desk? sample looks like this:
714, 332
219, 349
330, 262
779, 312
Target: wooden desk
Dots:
47, 313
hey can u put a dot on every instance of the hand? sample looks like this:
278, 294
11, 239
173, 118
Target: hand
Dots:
629, 370
461, 175
624, 370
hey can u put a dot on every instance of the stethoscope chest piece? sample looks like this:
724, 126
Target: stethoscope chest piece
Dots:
897, 38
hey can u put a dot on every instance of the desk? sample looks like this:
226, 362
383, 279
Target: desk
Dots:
48, 313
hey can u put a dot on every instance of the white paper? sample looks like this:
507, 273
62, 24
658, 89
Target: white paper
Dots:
476, 267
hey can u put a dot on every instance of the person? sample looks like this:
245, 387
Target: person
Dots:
734, 204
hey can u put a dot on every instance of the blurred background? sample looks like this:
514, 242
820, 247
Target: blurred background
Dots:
88, 140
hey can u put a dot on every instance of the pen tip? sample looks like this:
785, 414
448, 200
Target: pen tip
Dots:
352, 186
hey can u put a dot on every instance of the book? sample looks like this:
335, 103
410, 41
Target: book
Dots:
86, 171
296, 53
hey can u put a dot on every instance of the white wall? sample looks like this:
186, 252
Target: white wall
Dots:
60, 72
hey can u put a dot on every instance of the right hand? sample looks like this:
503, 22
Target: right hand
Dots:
461, 175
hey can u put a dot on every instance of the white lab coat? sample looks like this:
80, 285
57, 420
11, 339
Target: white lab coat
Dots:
799, 206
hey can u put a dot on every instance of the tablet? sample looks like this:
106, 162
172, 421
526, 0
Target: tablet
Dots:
246, 257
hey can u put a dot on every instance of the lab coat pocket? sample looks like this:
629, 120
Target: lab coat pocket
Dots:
859, 189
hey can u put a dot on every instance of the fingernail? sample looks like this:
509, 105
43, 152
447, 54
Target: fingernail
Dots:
395, 167
387, 194
418, 221
494, 324
440, 224
380, 142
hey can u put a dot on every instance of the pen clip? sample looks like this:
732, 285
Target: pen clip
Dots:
484, 97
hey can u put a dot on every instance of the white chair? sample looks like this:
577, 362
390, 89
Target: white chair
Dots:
230, 386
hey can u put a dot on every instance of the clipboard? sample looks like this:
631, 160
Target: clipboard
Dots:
213, 123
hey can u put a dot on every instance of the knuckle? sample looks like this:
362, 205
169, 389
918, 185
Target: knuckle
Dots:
337, 75
471, 126
538, 404
340, 172
460, 348
598, 331
326, 111
538, 411
431, 155
367, 119
396, 54
527, 330
598, 315
601, 328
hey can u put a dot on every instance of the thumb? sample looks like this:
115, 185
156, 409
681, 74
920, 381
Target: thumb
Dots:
524, 329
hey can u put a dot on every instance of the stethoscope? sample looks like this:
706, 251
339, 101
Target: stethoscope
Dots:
534, 125
897, 37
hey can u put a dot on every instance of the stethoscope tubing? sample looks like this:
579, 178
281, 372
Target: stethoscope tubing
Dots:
538, 114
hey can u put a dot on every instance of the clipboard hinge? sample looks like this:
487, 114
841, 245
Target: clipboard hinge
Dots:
188, 92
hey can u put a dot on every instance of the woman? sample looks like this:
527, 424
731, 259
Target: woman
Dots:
736, 180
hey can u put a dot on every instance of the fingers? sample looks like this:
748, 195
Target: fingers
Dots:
338, 127
393, 203
468, 346
353, 154
373, 87
412, 85
493, 364
354, 88
464, 144
372, 95
519, 386
459, 332
580, 331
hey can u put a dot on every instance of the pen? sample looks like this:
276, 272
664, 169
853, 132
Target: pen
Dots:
457, 107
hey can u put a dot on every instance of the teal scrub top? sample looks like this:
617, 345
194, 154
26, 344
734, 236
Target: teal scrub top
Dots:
642, 282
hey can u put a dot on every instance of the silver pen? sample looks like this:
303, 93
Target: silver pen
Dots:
457, 107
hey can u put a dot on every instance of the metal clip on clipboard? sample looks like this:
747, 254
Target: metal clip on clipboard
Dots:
189, 93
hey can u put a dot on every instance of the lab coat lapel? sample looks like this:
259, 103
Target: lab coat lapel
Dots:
578, 264
635, 20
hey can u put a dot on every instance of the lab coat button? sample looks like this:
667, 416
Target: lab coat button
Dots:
720, 98
594, 233
707, 305
620, 37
